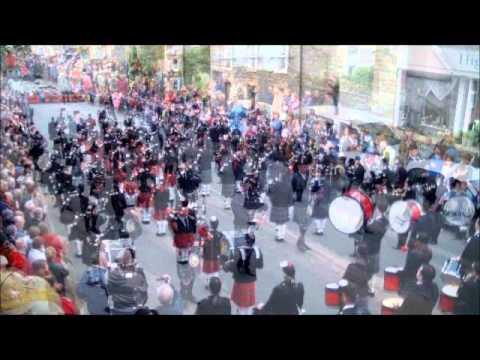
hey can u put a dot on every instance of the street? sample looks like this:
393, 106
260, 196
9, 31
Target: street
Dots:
325, 263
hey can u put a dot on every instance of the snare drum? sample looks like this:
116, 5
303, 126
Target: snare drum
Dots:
332, 294
390, 306
349, 212
391, 279
402, 214
451, 271
448, 298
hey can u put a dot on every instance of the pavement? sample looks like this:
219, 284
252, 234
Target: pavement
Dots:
325, 263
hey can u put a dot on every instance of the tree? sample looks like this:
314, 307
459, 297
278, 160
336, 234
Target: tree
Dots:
196, 66
143, 59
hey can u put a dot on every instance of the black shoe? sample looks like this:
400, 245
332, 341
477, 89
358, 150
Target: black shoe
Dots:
318, 233
96, 231
279, 240
371, 293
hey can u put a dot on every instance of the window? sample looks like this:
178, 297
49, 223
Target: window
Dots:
253, 57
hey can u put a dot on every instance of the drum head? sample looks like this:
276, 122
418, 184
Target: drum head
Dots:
399, 217
458, 211
43, 162
194, 260
332, 286
346, 214
392, 303
450, 290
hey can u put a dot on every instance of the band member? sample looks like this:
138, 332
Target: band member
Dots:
471, 252
287, 297
322, 194
147, 183
246, 260
188, 183
227, 177
184, 226
302, 200
374, 232
161, 198
468, 301
212, 250
119, 204
281, 197
205, 166
214, 304
422, 298
130, 188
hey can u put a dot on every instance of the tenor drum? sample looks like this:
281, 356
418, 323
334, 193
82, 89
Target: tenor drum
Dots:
391, 280
390, 306
402, 214
349, 212
451, 271
332, 294
448, 298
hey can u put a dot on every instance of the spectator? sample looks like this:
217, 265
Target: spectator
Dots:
51, 239
59, 271
37, 252
171, 302
92, 288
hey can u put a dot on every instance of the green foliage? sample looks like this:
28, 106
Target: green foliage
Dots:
196, 66
363, 77
144, 58
21, 50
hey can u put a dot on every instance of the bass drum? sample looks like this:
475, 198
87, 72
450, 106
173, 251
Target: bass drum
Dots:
349, 212
402, 214
458, 211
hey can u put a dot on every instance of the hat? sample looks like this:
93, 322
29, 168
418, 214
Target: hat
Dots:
288, 268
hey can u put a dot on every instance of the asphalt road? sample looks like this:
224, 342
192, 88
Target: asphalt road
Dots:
325, 263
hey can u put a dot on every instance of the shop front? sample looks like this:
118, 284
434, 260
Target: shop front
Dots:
440, 89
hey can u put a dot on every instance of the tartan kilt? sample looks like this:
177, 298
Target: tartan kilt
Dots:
279, 215
211, 266
228, 190
144, 199
243, 294
160, 214
206, 176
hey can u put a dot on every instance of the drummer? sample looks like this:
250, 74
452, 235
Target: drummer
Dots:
469, 293
374, 232
422, 298
349, 295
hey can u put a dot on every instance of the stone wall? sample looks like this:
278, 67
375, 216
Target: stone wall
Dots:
384, 82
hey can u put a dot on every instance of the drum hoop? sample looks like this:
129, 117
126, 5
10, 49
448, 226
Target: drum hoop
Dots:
350, 198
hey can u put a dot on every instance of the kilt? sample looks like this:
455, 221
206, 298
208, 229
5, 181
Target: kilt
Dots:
211, 266
144, 199
243, 294
228, 190
279, 215
206, 176
160, 214
300, 217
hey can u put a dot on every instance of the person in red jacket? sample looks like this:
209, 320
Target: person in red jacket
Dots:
54, 240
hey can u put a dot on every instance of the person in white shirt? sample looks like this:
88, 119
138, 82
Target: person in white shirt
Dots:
37, 252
